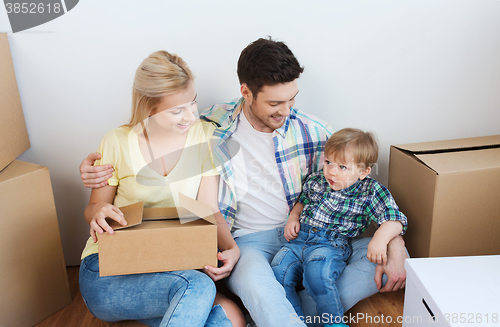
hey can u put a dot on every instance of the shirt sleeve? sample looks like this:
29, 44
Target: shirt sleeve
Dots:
383, 208
208, 166
319, 157
109, 151
304, 197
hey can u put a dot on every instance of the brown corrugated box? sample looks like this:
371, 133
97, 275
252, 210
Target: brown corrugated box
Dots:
160, 239
450, 192
33, 280
13, 133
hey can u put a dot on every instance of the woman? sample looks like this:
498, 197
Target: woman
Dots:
162, 151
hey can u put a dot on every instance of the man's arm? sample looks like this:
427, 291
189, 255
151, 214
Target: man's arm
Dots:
94, 176
394, 269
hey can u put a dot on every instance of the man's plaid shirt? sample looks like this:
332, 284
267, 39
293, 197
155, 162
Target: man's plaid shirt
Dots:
298, 146
348, 211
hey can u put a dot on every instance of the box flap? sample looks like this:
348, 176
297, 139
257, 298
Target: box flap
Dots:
458, 144
132, 214
191, 209
198, 208
461, 161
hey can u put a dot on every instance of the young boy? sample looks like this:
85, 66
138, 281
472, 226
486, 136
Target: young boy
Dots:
336, 205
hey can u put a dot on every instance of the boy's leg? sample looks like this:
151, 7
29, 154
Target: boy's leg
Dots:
354, 284
253, 280
288, 269
323, 263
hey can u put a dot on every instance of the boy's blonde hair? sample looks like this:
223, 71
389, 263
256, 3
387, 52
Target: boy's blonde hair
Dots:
362, 145
159, 75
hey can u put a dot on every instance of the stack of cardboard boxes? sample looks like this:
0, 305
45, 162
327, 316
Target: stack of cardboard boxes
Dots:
33, 280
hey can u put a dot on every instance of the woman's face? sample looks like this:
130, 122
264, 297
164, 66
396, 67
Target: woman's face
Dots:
176, 112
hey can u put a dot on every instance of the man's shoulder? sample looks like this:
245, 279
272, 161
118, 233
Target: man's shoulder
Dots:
300, 119
220, 113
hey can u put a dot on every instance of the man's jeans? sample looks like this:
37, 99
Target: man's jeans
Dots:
316, 258
177, 298
252, 279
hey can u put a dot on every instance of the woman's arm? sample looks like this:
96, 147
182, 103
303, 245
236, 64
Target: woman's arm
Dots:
99, 208
229, 251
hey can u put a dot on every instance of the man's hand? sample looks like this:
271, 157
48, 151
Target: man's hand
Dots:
229, 258
94, 177
292, 229
395, 270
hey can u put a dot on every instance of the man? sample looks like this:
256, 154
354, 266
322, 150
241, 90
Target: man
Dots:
264, 150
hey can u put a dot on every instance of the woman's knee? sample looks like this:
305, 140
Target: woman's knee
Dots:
233, 312
195, 281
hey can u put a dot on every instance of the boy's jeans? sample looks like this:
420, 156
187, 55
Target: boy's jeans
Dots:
176, 298
252, 279
316, 257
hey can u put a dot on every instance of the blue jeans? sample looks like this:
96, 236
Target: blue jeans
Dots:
315, 258
176, 298
252, 279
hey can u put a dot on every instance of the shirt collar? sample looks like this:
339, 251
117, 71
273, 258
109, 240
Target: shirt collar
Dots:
351, 190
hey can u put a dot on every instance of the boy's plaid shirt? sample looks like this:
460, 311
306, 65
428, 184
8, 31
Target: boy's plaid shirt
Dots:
298, 146
348, 211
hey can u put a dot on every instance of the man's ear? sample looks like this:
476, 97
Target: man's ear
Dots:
246, 93
365, 173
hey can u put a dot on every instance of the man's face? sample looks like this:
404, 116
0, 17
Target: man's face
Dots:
269, 109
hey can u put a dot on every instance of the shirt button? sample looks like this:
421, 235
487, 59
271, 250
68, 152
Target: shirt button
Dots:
315, 229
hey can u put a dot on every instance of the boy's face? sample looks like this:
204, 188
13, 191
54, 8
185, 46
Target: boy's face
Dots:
341, 175
268, 111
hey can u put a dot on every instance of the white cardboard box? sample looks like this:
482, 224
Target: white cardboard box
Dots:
452, 291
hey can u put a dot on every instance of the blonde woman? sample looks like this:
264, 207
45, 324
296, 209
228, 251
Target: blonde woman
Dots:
162, 151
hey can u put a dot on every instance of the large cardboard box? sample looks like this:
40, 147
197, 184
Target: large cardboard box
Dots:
33, 280
450, 192
160, 239
13, 133
452, 291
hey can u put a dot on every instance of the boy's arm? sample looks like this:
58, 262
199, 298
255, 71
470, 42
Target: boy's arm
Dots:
377, 248
293, 225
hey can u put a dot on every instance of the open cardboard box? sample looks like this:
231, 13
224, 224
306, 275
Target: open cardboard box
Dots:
160, 239
450, 192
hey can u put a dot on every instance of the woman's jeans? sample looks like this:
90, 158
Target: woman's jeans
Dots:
252, 279
176, 298
316, 258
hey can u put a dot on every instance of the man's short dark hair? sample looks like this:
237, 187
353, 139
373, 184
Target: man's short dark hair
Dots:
267, 62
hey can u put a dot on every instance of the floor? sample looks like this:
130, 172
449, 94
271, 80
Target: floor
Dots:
383, 309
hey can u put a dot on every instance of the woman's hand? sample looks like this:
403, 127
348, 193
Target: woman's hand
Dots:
100, 212
229, 258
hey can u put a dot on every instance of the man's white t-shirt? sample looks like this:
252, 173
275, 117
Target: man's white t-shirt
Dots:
261, 200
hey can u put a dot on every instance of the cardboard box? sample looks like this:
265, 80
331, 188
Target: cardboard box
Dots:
160, 239
453, 291
33, 280
13, 133
450, 192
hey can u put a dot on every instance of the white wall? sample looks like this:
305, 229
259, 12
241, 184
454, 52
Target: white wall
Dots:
408, 70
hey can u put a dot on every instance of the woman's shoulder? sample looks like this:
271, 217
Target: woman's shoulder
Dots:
116, 135
202, 130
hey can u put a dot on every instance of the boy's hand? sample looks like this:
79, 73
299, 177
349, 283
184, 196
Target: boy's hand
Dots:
292, 230
377, 252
